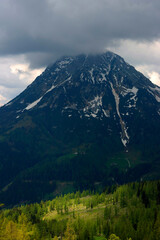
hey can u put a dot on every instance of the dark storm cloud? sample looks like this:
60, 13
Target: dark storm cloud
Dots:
46, 29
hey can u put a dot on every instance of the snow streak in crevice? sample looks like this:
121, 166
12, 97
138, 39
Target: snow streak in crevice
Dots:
124, 134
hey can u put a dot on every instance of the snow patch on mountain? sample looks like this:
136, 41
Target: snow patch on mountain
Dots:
134, 90
31, 105
72, 106
124, 141
93, 115
155, 92
92, 77
104, 74
115, 78
124, 134
156, 88
103, 77
116, 97
53, 86
95, 103
126, 91
122, 79
131, 102
157, 98
93, 107
65, 62
106, 113
81, 76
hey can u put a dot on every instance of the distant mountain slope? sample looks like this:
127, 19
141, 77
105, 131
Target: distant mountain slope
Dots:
84, 122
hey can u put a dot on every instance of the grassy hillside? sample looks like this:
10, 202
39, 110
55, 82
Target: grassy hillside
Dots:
126, 212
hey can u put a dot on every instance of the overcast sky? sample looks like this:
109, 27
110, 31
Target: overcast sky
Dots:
34, 33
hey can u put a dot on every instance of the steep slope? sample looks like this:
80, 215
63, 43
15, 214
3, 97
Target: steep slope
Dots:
86, 120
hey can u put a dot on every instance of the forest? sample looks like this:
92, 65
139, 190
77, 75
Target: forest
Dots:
127, 212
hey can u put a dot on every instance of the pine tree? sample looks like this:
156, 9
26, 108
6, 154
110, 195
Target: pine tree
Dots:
69, 233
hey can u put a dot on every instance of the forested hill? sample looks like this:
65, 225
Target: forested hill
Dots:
127, 212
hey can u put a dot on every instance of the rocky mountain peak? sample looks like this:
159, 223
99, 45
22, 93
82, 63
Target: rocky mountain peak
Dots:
90, 86
85, 119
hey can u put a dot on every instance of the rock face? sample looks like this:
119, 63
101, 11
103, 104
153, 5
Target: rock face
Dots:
84, 122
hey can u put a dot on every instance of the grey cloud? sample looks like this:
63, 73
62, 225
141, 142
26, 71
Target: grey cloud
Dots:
143, 53
47, 29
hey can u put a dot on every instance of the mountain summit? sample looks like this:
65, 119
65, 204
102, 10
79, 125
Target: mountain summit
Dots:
85, 121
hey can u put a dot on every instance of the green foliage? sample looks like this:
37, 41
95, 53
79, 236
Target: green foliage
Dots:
132, 211
113, 237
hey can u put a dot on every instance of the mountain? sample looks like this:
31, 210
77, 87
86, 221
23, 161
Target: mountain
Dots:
86, 121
